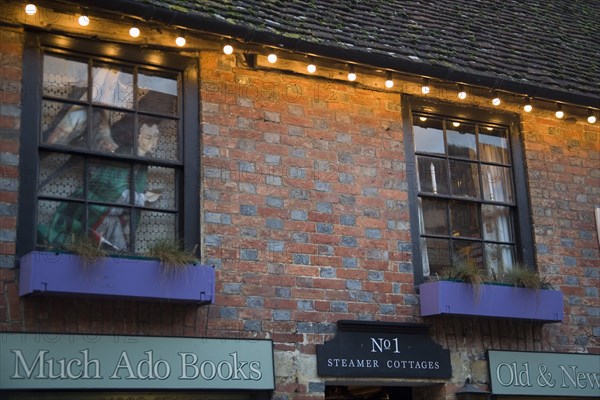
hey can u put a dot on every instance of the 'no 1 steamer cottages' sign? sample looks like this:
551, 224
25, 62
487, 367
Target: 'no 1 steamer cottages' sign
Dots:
383, 350
53, 361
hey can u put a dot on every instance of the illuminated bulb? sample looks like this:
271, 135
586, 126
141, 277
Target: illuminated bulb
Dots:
528, 107
180, 41
351, 73
489, 128
559, 112
425, 87
228, 49
461, 92
423, 119
84, 20
311, 68
30, 9
591, 117
389, 81
134, 32
456, 124
496, 100
272, 58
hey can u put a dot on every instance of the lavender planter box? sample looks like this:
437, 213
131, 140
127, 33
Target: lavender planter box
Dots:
64, 274
457, 298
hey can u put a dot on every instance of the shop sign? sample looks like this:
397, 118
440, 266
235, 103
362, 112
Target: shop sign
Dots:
378, 351
544, 374
68, 361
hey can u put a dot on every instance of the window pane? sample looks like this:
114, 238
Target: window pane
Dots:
157, 93
436, 255
433, 175
435, 219
65, 78
63, 124
61, 175
160, 138
428, 135
113, 86
161, 188
497, 223
493, 145
108, 182
154, 227
467, 253
499, 258
464, 178
497, 183
56, 225
464, 219
461, 140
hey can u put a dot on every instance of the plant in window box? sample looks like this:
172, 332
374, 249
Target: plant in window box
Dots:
521, 294
173, 276
86, 249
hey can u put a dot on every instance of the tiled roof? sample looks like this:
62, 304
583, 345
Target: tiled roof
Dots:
537, 45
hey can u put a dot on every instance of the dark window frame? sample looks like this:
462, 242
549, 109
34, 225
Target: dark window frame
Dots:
523, 228
188, 197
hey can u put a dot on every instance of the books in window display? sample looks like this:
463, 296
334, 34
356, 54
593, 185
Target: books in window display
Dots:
53, 273
491, 300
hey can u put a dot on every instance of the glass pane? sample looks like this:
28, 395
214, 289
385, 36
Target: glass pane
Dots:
433, 175
497, 223
464, 219
110, 226
63, 124
61, 175
56, 223
157, 93
461, 140
499, 258
65, 78
436, 256
158, 138
464, 178
435, 219
497, 183
493, 145
465, 252
428, 135
112, 131
113, 86
160, 192
154, 227
108, 182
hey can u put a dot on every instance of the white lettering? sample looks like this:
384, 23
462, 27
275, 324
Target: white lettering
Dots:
255, 368
185, 365
123, 363
37, 363
565, 373
213, 370
499, 377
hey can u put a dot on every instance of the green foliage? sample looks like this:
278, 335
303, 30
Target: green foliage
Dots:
86, 249
522, 276
464, 272
171, 255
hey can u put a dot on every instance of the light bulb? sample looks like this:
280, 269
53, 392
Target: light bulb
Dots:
134, 32
83, 20
351, 73
591, 117
30, 9
272, 58
423, 119
180, 41
425, 88
228, 49
389, 80
456, 124
311, 68
461, 92
496, 99
559, 112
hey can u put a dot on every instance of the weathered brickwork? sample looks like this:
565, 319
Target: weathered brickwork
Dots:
304, 206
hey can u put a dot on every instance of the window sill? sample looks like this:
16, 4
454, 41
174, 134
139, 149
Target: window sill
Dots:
51, 273
500, 301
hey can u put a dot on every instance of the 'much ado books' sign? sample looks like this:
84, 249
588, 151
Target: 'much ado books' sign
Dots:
53, 361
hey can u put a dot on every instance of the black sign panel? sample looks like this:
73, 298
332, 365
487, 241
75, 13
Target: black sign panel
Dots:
384, 350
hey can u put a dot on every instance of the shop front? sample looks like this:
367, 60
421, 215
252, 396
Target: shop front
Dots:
369, 360
67, 366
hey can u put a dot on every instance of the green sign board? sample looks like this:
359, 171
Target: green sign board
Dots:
68, 361
544, 374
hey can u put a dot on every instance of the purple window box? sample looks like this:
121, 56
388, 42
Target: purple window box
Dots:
50, 273
491, 300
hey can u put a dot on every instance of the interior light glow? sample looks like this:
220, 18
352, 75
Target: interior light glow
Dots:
456, 124
423, 119
134, 32
30, 9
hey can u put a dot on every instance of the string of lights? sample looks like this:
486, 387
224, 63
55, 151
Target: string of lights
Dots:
84, 20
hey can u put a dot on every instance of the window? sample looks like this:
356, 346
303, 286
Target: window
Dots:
469, 203
113, 144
